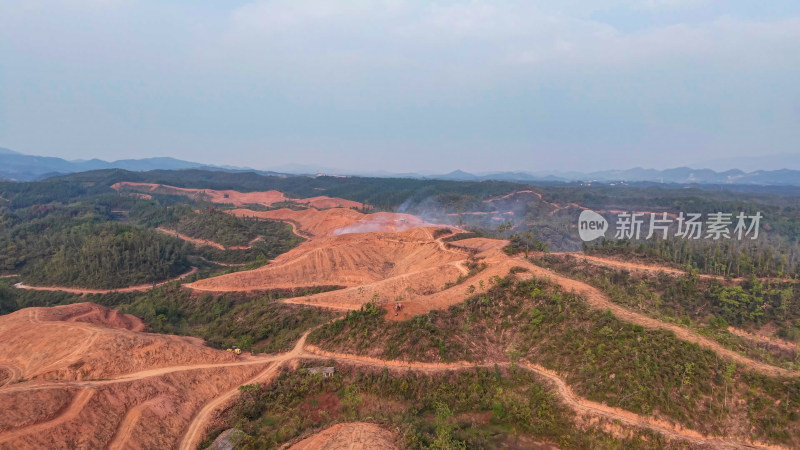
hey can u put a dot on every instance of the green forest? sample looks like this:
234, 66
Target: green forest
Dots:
212, 224
89, 238
725, 258
257, 323
708, 305
104, 255
79, 244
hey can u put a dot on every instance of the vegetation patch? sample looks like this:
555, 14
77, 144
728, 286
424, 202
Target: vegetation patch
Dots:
771, 256
258, 323
708, 305
477, 408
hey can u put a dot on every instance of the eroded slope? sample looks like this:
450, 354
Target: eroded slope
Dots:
85, 376
230, 197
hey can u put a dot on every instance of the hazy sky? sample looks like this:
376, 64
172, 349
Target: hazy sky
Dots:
402, 85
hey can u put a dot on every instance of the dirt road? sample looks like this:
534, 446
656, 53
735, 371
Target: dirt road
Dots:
656, 268
129, 422
82, 291
220, 263
195, 432
204, 242
195, 429
195, 241
598, 300
583, 406
80, 401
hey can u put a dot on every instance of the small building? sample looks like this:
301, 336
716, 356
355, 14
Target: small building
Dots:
326, 372
228, 439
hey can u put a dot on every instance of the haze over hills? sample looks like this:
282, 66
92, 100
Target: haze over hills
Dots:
775, 161
20, 167
679, 175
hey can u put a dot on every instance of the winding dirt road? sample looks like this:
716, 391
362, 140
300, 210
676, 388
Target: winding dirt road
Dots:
220, 263
672, 431
598, 300
204, 242
196, 428
194, 433
656, 268
79, 401
82, 291
128, 424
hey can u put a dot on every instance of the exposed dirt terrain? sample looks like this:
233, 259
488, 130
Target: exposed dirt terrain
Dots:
344, 260
335, 221
381, 257
236, 198
85, 376
352, 435
88, 341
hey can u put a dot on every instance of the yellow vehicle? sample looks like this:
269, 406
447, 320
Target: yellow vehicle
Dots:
235, 350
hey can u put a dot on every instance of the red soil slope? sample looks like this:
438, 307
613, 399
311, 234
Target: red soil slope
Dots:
353, 435
338, 221
385, 257
343, 260
84, 340
78, 376
236, 198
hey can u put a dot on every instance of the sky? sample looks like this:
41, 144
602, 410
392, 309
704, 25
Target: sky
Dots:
402, 86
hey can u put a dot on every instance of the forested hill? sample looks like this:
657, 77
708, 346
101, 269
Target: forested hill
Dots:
394, 193
548, 211
64, 233
383, 192
80, 245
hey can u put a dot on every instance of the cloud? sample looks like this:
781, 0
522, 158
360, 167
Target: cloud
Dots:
551, 79
478, 40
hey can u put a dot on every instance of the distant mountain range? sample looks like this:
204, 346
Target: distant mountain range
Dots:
16, 166
679, 175
20, 167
